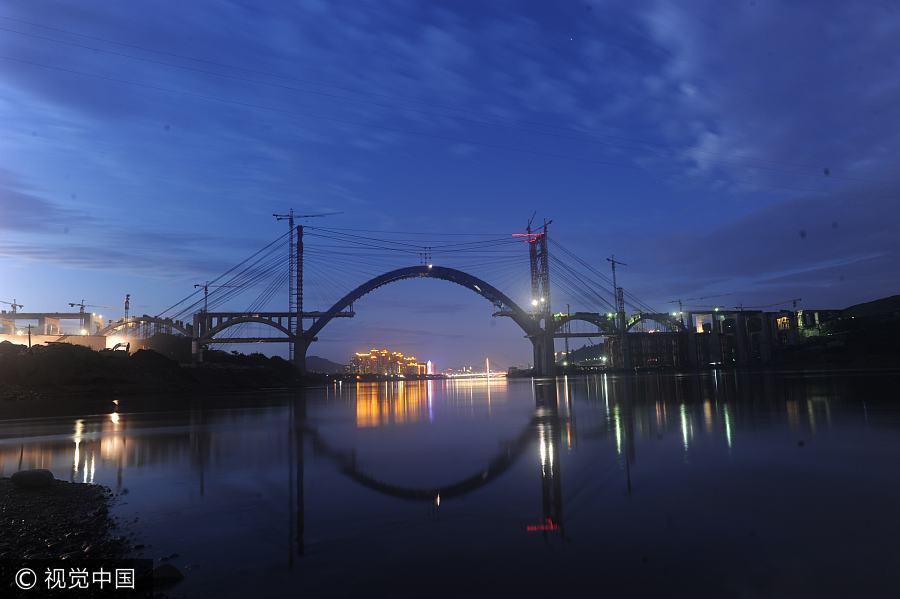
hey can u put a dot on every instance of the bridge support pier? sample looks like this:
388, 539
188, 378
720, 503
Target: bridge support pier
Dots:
625, 346
741, 340
196, 351
544, 358
198, 329
300, 347
715, 340
765, 338
690, 338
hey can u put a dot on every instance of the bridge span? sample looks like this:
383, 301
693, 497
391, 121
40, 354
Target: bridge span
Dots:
679, 340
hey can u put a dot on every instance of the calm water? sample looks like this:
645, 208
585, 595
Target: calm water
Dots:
718, 485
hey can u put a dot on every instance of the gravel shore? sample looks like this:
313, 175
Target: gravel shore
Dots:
61, 520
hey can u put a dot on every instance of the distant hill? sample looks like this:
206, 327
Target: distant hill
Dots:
586, 353
317, 364
880, 307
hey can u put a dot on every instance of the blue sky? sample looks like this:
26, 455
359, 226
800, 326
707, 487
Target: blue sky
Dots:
740, 148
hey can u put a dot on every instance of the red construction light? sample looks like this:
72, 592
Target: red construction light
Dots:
532, 237
548, 524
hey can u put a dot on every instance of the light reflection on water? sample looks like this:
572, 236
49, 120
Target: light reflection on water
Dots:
659, 478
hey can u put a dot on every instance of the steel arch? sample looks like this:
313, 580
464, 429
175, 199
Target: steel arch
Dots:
138, 320
601, 321
504, 304
211, 333
673, 323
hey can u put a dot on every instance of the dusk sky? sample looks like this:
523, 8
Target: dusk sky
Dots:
746, 150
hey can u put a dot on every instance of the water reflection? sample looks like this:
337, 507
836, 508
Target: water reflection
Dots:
326, 462
409, 402
716, 407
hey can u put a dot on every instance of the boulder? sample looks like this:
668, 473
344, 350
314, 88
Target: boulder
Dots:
166, 574
32, 479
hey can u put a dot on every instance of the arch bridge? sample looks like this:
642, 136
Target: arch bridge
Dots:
146, 326
208, 327
605, 323
539, 327
667, 320
529, 323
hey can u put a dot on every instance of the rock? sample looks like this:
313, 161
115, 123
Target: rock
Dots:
166, 574
32, 479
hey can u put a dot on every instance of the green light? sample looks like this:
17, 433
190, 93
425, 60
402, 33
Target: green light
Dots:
727, 426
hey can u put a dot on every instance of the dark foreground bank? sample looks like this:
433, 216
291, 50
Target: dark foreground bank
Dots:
71, 370
58, 520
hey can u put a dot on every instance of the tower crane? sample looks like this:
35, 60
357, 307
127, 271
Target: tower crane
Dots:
13, 305
81, 306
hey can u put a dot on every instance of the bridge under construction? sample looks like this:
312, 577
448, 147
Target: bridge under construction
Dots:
641, 337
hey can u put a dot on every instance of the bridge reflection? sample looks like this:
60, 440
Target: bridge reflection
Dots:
615, 416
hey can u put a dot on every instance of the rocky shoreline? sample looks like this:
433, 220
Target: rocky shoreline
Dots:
48, 519
58, 520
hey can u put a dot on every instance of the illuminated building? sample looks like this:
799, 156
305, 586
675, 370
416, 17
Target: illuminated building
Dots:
385, 362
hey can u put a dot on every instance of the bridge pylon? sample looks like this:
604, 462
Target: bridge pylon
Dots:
543, 340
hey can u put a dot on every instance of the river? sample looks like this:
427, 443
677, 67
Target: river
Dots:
721, 485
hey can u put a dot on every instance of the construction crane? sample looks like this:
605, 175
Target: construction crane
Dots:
13, 305
680, 302
793, 301
618, 296
680, 309
81, 306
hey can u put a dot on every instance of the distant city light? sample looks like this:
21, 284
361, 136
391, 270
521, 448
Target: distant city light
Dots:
385, 362
534, 302
84, 331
